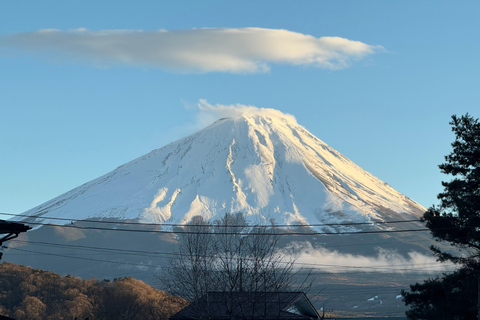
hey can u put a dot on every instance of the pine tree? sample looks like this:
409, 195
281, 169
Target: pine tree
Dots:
455, 221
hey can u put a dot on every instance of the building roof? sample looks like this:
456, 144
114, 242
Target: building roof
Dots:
249, 305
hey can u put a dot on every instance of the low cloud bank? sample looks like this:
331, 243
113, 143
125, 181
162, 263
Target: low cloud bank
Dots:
235, 50
387, 261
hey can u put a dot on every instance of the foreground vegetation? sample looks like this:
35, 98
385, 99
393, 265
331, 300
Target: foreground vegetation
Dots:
455, 221
27, 293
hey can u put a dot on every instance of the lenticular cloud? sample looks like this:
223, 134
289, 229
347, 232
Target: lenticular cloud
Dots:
235, 50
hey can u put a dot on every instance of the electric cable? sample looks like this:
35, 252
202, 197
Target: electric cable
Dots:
209, 225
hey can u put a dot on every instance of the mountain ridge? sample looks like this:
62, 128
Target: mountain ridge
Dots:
260, 162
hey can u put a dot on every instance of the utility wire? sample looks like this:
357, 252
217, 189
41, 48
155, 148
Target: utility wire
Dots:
172, 253
295, 233
313, 270
88, 259
342, 291
155, 253
81, 247
209, 225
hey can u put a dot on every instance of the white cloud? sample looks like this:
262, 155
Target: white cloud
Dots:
240, 50
386, 261
202, 114
207, 113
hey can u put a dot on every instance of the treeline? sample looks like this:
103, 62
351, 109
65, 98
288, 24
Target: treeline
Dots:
33, 294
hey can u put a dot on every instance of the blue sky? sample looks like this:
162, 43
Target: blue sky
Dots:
68, 117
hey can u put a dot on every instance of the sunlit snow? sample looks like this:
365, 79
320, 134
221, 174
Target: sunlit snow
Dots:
260, 162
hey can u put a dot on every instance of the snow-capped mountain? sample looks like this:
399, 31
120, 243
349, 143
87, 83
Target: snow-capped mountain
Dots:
259, 162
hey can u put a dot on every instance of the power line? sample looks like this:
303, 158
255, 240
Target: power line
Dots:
209, 225
89, 259
287, 233
314, 270
82, 247
173, 253
335, 291
156, 253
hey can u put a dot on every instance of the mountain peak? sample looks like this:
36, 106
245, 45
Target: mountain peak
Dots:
258, 161
232, 112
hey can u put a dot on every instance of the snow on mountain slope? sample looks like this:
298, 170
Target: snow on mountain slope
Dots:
259, 162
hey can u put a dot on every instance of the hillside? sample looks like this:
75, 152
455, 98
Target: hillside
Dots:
33, 294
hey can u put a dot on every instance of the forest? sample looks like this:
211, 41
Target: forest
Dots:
34, 294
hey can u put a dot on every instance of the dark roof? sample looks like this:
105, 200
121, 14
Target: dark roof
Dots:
249, 305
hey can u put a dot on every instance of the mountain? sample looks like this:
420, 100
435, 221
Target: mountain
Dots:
259, 162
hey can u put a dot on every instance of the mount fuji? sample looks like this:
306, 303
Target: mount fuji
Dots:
259, 162
256, 161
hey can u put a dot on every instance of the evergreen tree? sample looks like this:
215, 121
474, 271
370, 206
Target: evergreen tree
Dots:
456, 221
452, 297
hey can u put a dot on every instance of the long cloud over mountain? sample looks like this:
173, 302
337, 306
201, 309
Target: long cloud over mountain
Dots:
235, 50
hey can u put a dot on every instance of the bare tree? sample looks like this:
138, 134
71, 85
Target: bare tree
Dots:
190, 273
228, 255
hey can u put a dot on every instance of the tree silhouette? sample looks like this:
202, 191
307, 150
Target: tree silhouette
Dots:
455, 221
228, 255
